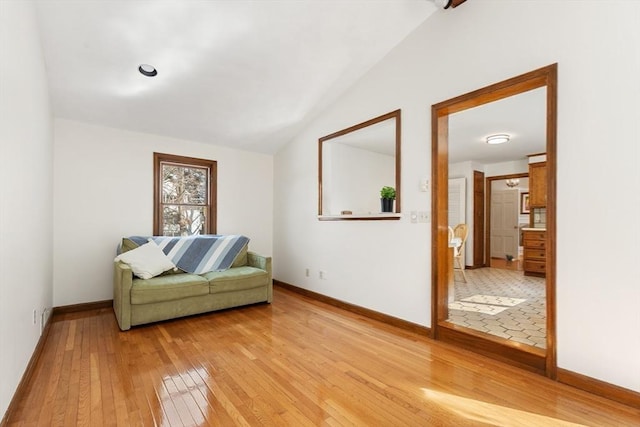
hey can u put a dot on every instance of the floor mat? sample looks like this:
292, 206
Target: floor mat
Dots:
477, 308
494, 300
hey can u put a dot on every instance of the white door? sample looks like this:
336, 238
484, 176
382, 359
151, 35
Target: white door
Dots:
457, 201
504, 223
458, 205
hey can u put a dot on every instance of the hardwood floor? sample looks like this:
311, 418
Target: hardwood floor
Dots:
295, 362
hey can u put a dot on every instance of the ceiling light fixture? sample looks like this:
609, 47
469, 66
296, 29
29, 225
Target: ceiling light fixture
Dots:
147, 70
443, 3
499, 138
512, 182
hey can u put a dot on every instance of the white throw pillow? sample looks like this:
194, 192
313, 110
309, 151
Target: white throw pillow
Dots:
146, 261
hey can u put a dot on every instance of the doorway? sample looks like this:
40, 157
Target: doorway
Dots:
498, 183
498, 298
537, 360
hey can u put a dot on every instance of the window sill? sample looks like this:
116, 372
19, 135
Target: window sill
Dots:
362, 217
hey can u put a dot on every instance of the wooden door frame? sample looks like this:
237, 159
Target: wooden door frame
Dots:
479, 222
487, 202
537, 360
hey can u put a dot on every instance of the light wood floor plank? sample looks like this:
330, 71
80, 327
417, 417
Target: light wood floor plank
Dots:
296, 362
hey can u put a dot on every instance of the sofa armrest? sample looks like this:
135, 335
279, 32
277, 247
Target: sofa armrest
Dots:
122, 282
263, 263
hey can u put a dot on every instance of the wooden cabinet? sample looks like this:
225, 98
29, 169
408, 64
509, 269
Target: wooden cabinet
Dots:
538, 185
535, 254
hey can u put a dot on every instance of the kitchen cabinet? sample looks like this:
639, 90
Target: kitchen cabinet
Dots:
538, 185
535, 253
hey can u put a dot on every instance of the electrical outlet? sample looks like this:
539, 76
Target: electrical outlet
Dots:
307, 272
423, 216
35, 316
322, 275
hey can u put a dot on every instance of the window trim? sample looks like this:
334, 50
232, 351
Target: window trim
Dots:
158, 159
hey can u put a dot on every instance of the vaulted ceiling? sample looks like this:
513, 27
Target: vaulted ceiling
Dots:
244, 74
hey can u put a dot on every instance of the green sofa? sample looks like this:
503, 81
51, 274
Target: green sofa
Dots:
176, 294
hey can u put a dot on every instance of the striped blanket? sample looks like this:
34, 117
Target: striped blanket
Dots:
199, 254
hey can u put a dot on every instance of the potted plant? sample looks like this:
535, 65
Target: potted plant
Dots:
387, 196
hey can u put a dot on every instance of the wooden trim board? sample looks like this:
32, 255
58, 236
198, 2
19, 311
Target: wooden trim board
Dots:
74, 308
599, 388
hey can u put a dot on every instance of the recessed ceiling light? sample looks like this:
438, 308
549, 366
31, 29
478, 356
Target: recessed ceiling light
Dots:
147, 70
499, 138
443, 3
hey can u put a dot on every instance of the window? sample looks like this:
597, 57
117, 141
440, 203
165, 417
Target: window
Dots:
184, 196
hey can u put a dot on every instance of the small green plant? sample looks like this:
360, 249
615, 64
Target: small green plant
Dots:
388, 193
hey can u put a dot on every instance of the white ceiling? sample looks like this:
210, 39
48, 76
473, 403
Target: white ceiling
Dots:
523, 117
245, 74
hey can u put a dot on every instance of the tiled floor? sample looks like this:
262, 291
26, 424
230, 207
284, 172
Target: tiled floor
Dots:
501, 302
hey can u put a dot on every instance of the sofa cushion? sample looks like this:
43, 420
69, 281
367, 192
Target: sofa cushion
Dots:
168, 288
128, 245
236, 279
146, 261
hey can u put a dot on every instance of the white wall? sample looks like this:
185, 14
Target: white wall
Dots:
26, 141
385, 265
103, 188
353, 178
506, 168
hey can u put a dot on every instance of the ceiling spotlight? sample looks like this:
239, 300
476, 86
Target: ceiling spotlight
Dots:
147, 70
443, 3
500, 138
